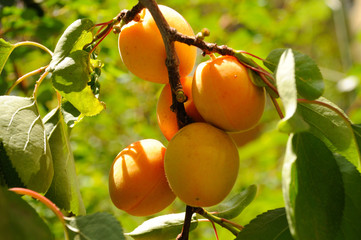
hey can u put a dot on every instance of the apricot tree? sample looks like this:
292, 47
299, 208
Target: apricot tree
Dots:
198, 114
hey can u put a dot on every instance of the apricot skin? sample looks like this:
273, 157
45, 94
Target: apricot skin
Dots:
167, 119
225, 96
142, 49
201, 164
137, 182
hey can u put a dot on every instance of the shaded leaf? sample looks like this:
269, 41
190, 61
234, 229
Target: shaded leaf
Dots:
64, 190
235, 205
5, 51
332, 128
97, 226
23, 138
351, 219
269, 225
309, 80
70, 113
18, 220
313, 188
162, 227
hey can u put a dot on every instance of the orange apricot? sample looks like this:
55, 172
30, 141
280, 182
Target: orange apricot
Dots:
167, 119
225, 96
201, 164
142, 49
137, 182
245, 137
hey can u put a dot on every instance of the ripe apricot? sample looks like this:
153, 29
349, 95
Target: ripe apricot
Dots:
225, 96
167, 119
137, 183
244, 137
201, 164
142, 49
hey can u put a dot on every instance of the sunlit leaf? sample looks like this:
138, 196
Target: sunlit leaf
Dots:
269, 225
234, 206
313, 188
162, 227
5, 51
27, 152
64, 190
18, 220
71, 68
97, 226
309, 80
74, 38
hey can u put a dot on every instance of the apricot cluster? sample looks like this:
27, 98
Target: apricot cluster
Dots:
200, 164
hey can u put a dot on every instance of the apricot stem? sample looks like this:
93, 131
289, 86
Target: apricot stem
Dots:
277, 106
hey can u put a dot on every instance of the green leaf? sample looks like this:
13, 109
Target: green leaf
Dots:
71, 68
97, 226
235, 205
70, 113
286, 83
72, 73
23, 138
332, 128
309, 80
351, 219
162, 227
312, 188
18, 220
74, 38
5, 51
269, 225
64, 190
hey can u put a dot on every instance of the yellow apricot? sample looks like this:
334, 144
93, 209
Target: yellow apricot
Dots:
201, 164
142, 49
137, 182
225, 96
167, 119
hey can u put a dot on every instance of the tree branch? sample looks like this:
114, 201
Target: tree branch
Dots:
172, 62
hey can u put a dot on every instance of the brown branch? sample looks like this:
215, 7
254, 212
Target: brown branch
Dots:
172, 62
128, 15
184, 235
206, 47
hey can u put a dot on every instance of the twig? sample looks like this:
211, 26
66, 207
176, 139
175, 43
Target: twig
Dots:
187, 223
172, 61
232, 227
19, 80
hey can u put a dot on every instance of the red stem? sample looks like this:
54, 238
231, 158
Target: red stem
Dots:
41, 198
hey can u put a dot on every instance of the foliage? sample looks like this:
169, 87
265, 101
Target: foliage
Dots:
315, 194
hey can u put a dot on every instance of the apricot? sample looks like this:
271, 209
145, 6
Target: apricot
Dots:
167, 119
245, 137
142, 49
137, 182
225, 96
201, 164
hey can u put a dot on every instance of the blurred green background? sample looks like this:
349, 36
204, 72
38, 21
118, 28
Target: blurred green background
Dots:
329, 31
